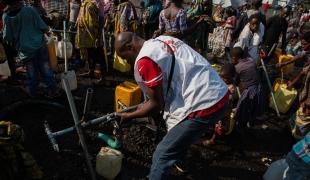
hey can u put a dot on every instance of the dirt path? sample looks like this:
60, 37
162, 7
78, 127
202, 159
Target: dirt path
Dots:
222, 161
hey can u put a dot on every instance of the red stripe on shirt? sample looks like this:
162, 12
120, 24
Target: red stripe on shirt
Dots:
207, 112
150, 72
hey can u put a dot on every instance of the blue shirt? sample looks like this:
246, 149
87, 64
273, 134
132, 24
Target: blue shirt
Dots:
25, 30
302, 148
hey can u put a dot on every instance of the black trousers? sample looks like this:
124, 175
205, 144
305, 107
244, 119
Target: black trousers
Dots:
11, 52
95, 56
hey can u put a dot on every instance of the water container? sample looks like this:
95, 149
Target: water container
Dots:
109, 162
129, 94
284, 97
288, 68
231, 125
61, 50
277, 53
120, 64
71, 77
52, 52
217, 68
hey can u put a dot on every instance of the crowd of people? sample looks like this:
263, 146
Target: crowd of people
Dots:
166, 45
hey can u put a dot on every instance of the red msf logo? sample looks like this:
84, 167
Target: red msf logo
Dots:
170, 46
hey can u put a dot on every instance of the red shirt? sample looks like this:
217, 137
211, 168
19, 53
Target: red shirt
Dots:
266, 7
151, 75
150, 72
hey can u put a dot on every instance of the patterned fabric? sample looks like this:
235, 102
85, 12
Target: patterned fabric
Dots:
178, 24
109, 8
100, 5
87, 25
125, 18
59, 6
302, 148
216, 42
37, 5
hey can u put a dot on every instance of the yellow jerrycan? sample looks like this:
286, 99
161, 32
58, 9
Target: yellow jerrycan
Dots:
127, 94
52, 52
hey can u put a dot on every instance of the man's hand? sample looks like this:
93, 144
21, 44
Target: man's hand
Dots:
262, 54
123, 116
289, 85
202, 18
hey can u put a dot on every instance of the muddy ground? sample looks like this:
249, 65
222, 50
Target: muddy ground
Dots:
228, 159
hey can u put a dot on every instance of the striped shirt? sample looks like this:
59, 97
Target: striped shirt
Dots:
59, 6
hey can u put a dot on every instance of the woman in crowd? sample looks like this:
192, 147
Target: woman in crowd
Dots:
88, 34
172, 20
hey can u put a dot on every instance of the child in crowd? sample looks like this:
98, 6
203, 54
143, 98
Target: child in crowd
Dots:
303, 56
229, 26
293, 44
250, 104
227, 74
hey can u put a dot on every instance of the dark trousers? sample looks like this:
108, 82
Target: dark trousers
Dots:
37, 65
95, 57
10, 54
175, 144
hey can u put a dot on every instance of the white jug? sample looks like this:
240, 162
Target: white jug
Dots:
109, 162
61, 50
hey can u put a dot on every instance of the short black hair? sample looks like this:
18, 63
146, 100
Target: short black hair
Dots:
9, 2
237, 52
230, 11
178, 3
306, 36
255, 16
257, 3
228, 69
